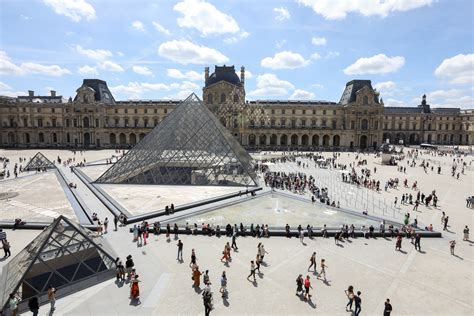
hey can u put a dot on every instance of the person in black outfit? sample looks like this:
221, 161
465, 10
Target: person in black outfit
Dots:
33, 305
417, 242
388, 308
234, 244
207, 299
358, 302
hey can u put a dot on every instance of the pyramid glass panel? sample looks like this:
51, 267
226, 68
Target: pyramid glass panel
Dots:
39, 161
62, 254
189, 147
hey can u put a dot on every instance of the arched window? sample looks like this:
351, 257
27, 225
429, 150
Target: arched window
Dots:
236, 98
365, 100
364, 124
222, 97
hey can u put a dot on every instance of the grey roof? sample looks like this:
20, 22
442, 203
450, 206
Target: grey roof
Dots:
349, 95
224, 73
446, 110
102, 92
293, 102
402, 110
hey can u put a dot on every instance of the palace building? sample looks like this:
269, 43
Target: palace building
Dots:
359, 120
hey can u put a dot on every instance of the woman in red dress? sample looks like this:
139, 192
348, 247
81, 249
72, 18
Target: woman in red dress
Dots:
135, 289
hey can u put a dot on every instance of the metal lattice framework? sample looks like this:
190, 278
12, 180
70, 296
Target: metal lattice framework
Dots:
189, 147
62, 255
39, 161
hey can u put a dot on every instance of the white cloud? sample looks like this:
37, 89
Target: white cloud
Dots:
299, 94
332, 54
98, 54
135, 89
318, 41
185, 52
111, 66
248, 74
235, 39
87, 70
142, 70
338, 9
315, 56
378, 64
138, 26
459, 69
7, 67
205, 17
25, 17
317, 85
120, 54
282, 13
160, 28
270, 85
4, 86
385, 86
190, 75
285, 60
279, 43
76, 10
453, 98
6, 90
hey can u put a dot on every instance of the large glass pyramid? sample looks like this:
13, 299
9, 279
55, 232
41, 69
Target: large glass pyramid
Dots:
39, 161
62, 255
190, 147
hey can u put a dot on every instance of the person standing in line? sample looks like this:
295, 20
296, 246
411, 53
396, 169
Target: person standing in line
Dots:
323, 269
299, 285
52, 297
312, 260
417, 242
307, 286
106, 224
350, 295
466, 233
388, 308
115, 221
358, 303
180, 250
223, 289
6, 248
452, 244
252, 271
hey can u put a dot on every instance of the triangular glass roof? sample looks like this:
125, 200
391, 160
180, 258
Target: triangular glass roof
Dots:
189, 147
39, 161
62, 254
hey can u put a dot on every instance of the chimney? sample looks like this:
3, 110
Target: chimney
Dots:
53, 93
242, 75
31, 93
206, 74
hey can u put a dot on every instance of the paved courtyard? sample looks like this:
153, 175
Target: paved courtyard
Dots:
430, 282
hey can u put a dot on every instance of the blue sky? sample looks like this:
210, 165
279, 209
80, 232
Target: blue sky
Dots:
303, 49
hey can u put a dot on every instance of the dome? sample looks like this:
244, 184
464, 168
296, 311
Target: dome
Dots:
225, 73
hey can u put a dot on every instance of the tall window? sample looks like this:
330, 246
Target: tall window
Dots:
209, 98
365, 100
236, 98
40, 122
222, 97
25, 122
364, 124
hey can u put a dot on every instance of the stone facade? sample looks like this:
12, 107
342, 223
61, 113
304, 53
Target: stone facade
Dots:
359, 120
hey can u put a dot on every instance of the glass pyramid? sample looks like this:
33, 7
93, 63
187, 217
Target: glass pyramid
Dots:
39, 161
63, 254
189, 147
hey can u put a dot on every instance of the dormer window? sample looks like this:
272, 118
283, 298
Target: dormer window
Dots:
365, 100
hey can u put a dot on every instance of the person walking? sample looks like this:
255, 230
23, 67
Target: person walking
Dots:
129, 264
207, 300
299, 285
223, 289
358, 303
205, 278
323, 269
302, 236
388, 308
106, 224
350, 295
196, 277
307, 286
180, 250
135, 289
312, 260
417, 242
261, 251
446, 219
116, 219
52, 297
193, 258
398, 243
452, 244
252, 271
234, 244
466, 233
6, 248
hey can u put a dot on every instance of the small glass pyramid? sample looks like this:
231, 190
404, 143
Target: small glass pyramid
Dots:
190, 147
39, 161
